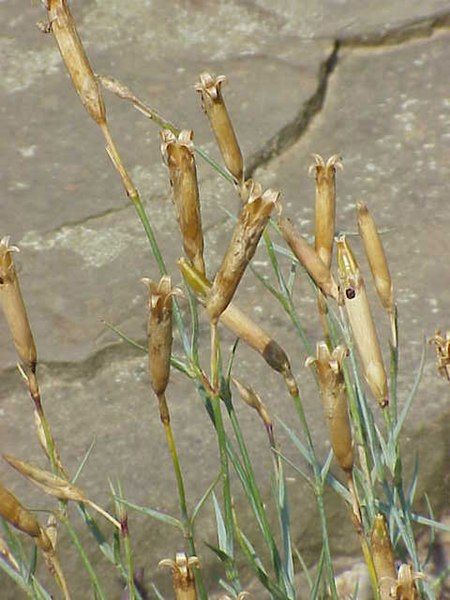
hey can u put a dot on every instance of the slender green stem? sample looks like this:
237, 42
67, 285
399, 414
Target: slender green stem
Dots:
84, 557
187, 525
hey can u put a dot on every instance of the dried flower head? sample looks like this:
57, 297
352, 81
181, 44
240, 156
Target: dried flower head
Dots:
361, 322
325, 209
64, 29
332, 389
178, 153
308, 257
14, 308
383, 557
239, 323
159, 332
405, 586
442, 352
214, 106
182, 575
252, 220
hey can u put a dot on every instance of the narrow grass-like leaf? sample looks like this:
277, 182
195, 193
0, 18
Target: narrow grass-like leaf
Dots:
304, 568
413, 485
203, 499
222, 537
103, 544
83, 462
304, 451
154, 514
326, 467
432, 537
194, 325
31, 570
14, 575
158, 594
318, 579
284, 517
411, 396
221, 554
231, 361
429, 522
296, 468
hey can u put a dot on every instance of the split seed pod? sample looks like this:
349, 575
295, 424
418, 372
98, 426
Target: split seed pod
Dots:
378, 262
178, 153
383, 557
64, 29
333, 393
251, 223
159, 332
214, 106
442, 344
405, 586
325, 209
14, 308
361, 322
182, 575
308, 257
239, 323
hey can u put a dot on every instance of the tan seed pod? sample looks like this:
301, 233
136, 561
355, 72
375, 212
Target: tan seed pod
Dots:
14, 308
383, 557
50, 483
216, 110
21, 518
325, 207
182, 575
239, 323
64, 29
405, 586
308, 257
361, 322
252, 220
376, 256
178, 153
332, 390
159, 332
252, 399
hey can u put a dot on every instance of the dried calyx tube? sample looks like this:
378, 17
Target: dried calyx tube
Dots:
242, 326
325, 219
209, 87
334, 398
182, 575
383, 557
376, 256
252, 399
251, 222
361, 322
160, 337
309, 259
178, 153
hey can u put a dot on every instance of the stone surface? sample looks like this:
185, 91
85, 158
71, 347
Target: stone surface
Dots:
83, 250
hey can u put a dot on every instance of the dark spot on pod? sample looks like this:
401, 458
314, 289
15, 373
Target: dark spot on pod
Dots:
276, 357
1, 280
350, 293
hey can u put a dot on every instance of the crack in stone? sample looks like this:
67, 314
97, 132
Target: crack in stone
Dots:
293, 131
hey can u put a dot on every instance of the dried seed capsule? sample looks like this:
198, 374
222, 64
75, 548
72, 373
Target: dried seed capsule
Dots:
239, 323
182, 575
333, 393
214, 106
13, 511
376, 256
383, 557
159, 333
14, 308
252, 220
308, 257
64, 29
178, 153
325, 210
361, 322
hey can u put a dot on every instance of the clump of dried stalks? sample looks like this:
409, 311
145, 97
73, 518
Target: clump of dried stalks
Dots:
367, 452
